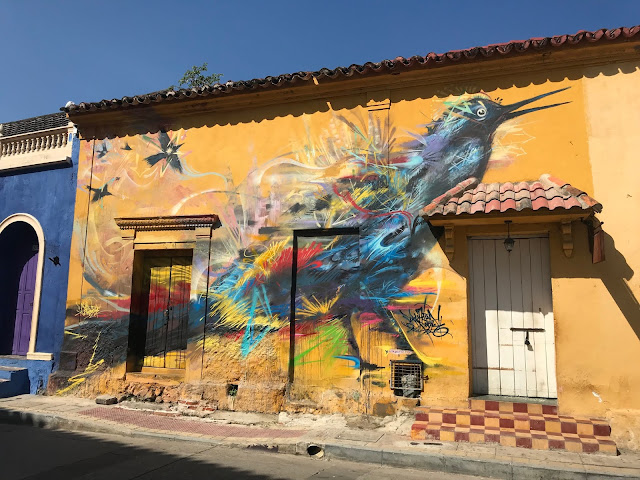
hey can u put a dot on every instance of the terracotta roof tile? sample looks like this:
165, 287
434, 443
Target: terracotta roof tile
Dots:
547, 193
450, 208
506, 187
524, 204
477, 207
397, 65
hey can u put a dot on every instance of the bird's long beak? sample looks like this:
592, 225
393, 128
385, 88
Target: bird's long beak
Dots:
513, 112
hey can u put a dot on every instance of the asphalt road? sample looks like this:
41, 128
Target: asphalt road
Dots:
34, 454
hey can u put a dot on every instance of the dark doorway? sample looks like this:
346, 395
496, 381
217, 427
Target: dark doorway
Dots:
323, 297
160, 310
19, 261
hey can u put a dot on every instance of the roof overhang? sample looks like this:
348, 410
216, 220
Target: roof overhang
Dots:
527, 217
536, 54
544, 201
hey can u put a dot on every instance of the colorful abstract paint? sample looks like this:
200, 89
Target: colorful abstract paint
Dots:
354, 181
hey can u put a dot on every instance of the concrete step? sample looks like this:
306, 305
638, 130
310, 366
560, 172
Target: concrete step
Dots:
513, 438
503, 425
519, 421
13, 381
7, 372
496, 404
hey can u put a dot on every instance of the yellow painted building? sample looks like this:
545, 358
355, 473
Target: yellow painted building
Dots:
335, 241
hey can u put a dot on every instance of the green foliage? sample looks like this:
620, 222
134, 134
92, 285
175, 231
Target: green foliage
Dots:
195, 77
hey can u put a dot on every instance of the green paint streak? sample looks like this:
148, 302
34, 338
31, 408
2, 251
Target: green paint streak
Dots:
331, 336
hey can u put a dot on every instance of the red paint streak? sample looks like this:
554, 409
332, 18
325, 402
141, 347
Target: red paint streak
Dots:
234, 336
124, 303
285, 260
346, 196
158, 297
304, 329
367, 318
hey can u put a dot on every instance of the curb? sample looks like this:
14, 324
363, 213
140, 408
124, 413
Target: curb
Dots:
434, 462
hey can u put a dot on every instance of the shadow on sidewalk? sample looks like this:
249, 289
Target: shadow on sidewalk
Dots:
42, 453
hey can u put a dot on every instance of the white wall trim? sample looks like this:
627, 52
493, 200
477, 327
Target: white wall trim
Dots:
32, 149
39, 356
31, 220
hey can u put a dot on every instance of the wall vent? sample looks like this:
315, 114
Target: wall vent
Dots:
406, 378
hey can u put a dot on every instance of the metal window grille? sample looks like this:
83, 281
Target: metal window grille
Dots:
406, 376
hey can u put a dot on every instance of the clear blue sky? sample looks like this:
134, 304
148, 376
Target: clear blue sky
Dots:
54, 51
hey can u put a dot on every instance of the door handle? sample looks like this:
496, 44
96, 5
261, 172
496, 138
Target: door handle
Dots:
526, 338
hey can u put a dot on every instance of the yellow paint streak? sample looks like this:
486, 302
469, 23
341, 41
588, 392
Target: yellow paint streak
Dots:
262, 262
81, 377
315, 307
75, 335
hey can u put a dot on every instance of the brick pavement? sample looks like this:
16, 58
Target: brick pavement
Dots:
151, 420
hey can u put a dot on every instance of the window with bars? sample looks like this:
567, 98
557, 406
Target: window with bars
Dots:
406, 378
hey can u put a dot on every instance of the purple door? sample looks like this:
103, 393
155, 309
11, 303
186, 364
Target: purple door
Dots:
24, 306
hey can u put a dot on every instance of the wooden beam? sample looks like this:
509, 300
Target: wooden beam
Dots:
567, 238
449, 246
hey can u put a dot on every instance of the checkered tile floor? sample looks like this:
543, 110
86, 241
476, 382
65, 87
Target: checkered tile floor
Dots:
514, 425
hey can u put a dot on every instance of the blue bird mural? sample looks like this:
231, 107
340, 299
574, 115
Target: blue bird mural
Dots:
380, 199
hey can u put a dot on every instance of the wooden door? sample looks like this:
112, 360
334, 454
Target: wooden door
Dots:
513, 350
24, 305
168, 281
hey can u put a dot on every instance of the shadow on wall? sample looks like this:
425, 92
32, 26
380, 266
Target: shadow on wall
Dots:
614, 272
153, 118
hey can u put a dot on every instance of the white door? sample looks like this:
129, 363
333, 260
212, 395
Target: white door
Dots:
512, 318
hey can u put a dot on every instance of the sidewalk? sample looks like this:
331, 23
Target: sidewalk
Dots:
332, 436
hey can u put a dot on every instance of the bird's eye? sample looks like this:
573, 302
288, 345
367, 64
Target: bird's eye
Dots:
481, 112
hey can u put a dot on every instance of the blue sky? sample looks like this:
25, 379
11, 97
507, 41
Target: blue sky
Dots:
55, 51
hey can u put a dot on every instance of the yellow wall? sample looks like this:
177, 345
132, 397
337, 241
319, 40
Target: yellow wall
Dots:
607, 349
263, 171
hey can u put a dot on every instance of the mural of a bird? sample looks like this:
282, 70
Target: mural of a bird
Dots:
369, 272
101, 192
102, 150
168, 152
458, 145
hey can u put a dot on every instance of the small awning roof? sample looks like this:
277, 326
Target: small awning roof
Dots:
544, 195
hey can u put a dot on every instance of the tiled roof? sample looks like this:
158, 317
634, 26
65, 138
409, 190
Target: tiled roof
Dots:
547, 193
34, 124
397, 65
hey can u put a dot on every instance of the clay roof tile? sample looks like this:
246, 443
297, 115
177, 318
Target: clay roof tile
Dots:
531, 46
548, 193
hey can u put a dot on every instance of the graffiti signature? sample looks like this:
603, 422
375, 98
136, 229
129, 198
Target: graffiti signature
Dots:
422, 321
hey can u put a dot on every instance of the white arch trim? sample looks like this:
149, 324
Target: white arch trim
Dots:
31, 220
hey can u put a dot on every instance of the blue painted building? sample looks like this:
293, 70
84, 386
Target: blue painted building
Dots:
38, 171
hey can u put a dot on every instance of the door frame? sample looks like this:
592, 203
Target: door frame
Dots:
545, 234
139, 304
313, 232
33, 223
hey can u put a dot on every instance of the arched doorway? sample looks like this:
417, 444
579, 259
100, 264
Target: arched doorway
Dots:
21, 266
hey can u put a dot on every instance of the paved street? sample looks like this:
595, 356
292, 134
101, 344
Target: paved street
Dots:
34, 454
